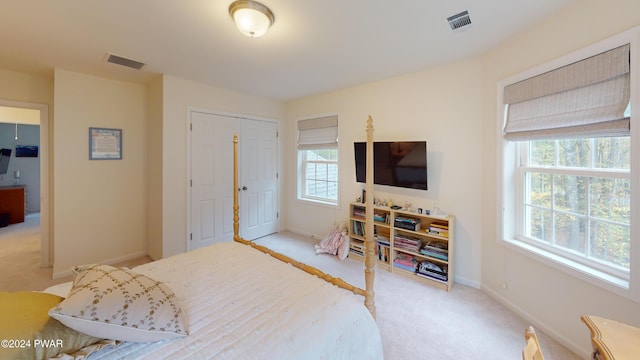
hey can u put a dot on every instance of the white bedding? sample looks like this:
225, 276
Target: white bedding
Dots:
243, 304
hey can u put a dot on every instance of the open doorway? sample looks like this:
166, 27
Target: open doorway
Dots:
24, 129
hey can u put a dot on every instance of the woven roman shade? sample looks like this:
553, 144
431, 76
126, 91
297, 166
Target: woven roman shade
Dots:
585, 99
318, 133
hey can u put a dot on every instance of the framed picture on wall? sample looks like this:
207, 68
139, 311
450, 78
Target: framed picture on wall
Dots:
26, 150
105, 144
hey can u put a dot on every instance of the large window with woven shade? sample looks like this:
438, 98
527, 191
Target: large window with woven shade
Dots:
568, 148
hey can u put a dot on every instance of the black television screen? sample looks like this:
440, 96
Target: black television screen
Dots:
5, 156
398, 163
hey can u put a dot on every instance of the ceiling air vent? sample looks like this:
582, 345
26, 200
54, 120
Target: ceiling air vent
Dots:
459, 21
119, 60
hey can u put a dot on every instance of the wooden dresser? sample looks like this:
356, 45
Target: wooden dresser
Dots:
12, 201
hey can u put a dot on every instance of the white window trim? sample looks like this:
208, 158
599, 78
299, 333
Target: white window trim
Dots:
508, 160
300, 174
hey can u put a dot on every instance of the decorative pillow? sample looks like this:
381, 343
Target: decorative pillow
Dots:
30, 332
120, 304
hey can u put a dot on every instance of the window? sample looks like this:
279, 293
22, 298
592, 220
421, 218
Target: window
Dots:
320, 174
567, 179
577, 200
318, 160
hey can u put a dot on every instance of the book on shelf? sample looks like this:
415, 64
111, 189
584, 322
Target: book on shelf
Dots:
404, 267
356, 248
435, 249
358, 227
431, 270
359, 211
356, 252
383, 240
383, 253
405, 262
409, 243
439, 229
407, 223
381, 217
433, 276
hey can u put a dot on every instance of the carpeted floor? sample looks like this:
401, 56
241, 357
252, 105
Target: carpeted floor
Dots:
20, 258
416, 321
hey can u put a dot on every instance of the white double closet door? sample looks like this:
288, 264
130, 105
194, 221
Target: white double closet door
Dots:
211, 168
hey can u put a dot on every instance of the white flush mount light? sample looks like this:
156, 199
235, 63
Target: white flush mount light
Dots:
252, 18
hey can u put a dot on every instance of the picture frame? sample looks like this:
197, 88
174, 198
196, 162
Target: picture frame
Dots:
105, 144
27, 151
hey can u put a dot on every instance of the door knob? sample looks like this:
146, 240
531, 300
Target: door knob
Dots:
244, 188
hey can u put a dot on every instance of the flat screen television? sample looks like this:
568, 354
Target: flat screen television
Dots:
397, 163
5, 156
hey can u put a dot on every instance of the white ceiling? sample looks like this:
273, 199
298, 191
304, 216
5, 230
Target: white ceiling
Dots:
314, 46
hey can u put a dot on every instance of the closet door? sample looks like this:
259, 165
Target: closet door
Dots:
259, 180
211, 178
211, 165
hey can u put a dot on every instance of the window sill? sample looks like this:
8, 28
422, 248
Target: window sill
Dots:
318, 202
595, 277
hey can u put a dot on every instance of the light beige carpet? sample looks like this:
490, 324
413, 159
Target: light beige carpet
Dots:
20, 258
416, 321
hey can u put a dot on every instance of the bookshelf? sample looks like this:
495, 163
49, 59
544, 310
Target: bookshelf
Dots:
382, 229
415, 245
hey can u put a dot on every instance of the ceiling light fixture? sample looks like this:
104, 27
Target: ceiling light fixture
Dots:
251, 17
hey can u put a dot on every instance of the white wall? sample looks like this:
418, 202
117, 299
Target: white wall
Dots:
154, 169
440, 105
550, 299
100, 207
178, 96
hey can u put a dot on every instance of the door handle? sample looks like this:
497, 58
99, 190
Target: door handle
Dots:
244, 188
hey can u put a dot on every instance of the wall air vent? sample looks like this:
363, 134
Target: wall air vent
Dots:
119, 60
459, 21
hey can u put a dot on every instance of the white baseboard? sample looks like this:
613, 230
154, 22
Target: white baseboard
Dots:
466, 282
304, 233
535, 322
69, 272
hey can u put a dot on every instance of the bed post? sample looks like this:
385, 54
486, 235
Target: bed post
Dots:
309, 269
236, 217
370, 256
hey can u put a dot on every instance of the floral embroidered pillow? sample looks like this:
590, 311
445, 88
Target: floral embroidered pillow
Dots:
120, 304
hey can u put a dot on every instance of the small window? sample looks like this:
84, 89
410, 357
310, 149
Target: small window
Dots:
318, 159
320, 174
